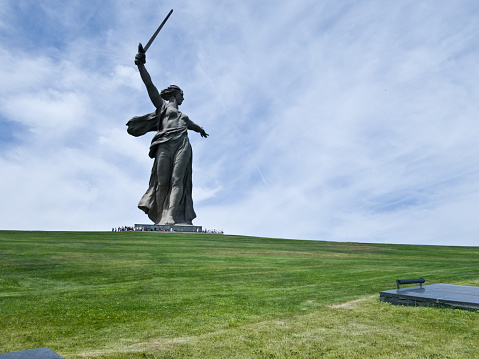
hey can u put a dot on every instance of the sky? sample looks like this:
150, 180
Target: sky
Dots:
329, 120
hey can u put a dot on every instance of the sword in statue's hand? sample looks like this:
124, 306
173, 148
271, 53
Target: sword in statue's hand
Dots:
142, 50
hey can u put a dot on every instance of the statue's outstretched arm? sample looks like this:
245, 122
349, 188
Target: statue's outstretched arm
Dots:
140, 60
197, 128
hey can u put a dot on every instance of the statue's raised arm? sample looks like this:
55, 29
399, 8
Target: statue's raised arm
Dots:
140, 60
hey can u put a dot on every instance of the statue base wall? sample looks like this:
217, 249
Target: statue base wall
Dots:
170, 228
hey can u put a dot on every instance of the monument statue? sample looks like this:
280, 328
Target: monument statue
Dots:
168, 200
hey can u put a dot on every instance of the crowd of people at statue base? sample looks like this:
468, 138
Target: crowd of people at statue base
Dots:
213, 231
135, 229
149, 229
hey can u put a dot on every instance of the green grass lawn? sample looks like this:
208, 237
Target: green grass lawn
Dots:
170, 295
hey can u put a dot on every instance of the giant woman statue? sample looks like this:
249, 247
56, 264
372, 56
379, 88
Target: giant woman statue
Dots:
168, 199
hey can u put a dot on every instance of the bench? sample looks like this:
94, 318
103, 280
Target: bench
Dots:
419, 281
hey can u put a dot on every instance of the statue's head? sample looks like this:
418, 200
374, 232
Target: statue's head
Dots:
172, 92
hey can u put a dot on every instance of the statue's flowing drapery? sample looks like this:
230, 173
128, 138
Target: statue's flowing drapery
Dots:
168, 199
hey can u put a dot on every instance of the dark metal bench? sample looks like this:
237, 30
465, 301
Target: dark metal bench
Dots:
419, 281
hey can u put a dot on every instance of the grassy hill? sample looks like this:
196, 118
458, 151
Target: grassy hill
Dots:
170, 295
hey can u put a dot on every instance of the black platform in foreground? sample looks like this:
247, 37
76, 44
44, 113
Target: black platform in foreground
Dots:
42, 353
434, 295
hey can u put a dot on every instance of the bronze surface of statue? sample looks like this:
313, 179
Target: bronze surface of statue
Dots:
168, 199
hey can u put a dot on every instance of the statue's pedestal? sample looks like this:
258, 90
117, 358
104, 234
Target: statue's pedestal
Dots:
169, 228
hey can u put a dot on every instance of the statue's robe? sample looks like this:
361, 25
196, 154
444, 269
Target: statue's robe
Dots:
170, 143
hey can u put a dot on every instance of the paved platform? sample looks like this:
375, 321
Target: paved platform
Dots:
41, 353
434, 295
